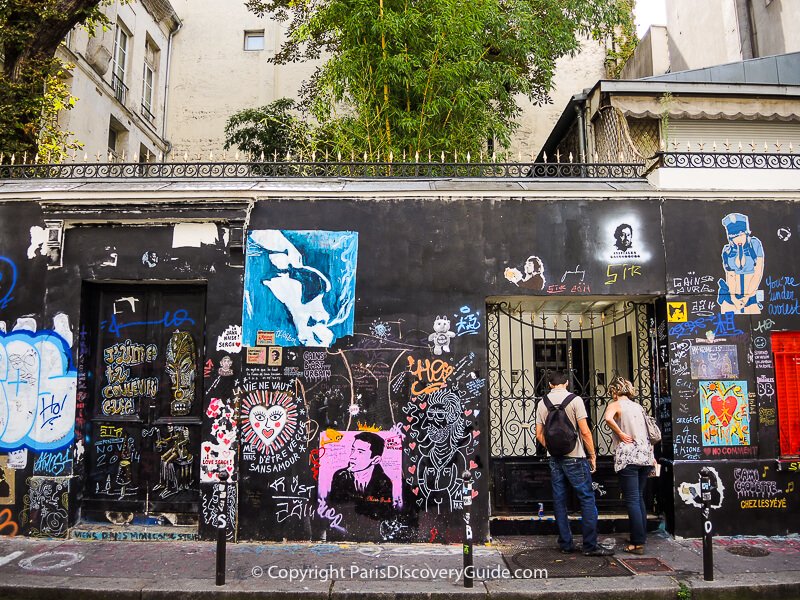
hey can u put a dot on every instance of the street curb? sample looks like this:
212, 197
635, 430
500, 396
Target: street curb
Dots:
640, 587
46, 587
781, 585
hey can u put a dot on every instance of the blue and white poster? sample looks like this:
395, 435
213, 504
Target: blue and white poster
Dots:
301, 285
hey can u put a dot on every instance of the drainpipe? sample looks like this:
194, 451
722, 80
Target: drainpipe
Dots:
166, 86
581, 134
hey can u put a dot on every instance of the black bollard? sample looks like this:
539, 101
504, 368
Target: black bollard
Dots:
222, 525
706, 485
467, 503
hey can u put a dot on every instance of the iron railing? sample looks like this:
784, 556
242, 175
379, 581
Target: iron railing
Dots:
729, 160
301, 169
120, 89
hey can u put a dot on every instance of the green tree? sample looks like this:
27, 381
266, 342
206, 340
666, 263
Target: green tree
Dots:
32, 86
273, 129
431, 75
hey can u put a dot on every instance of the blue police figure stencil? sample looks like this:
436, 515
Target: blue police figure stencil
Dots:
743, 263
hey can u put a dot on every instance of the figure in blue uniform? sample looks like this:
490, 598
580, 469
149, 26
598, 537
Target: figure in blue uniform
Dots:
743, 262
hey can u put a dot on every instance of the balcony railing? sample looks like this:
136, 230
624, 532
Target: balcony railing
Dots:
120, 89
147, 114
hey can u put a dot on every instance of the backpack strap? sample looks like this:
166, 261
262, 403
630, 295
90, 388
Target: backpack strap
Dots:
564, 403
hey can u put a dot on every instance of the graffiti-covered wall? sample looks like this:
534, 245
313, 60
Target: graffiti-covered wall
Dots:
730, 290
365, 377
331, 356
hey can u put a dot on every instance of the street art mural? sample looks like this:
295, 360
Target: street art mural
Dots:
181, 367
529, 276
38, 384
441, 335
725, 413
300, 285
743, 263
360, 471
273, 430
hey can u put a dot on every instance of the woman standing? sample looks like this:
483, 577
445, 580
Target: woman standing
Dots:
633, 457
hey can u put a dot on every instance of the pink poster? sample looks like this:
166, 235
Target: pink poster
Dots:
361, 467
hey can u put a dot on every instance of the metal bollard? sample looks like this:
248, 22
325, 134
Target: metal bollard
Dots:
706, 485
222, 525
467, 503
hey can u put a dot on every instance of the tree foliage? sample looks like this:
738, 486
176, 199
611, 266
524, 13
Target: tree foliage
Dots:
431, 75
32, 82
274, 129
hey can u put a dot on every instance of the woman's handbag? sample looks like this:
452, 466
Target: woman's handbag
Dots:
653, 432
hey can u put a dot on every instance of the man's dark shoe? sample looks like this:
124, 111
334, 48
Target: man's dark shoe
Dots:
599, 551
571, 550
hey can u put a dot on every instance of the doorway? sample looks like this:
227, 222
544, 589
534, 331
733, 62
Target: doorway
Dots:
143, 382
592, 341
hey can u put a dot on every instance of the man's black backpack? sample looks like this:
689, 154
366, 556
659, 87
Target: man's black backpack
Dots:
559, 432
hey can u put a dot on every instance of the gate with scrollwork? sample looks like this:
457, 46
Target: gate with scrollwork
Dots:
593, 341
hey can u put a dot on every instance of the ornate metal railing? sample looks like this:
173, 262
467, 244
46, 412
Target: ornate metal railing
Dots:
312, 169
729, 160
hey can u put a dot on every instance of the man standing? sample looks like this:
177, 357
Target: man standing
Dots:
574, 467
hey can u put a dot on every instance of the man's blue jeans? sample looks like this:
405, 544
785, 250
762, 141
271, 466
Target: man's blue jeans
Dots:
576, 472
633, 481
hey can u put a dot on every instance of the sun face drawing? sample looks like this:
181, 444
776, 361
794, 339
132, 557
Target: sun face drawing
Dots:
269, 420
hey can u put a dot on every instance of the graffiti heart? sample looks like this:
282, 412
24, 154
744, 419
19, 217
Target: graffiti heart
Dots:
38, 384
267, 422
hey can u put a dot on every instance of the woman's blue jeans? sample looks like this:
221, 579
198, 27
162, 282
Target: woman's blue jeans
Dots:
633, 481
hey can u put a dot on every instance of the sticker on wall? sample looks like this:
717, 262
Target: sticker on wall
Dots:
724, 413
621, 241
362, 470
690, 492
743, 264
441, 336
714, 362
265, 338
301, 285
529, 276
6, 482
275, 356
676, 312
230, 340
257, 356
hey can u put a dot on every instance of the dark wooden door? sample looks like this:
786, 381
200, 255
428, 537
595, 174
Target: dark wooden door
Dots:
145, 382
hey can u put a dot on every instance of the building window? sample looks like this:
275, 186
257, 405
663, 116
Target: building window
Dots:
149, 79
117, 137
786, 347
119, 60
253, 40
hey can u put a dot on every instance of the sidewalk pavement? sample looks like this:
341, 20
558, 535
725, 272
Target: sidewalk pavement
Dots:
66, 569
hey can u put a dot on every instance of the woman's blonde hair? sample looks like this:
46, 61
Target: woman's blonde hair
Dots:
620, 386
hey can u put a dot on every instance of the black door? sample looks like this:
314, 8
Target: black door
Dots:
145, 387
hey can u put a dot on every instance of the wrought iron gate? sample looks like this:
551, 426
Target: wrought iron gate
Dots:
593, 341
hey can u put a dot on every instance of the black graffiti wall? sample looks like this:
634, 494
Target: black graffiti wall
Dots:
406, 384
24, 328
731, 289
89, 400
